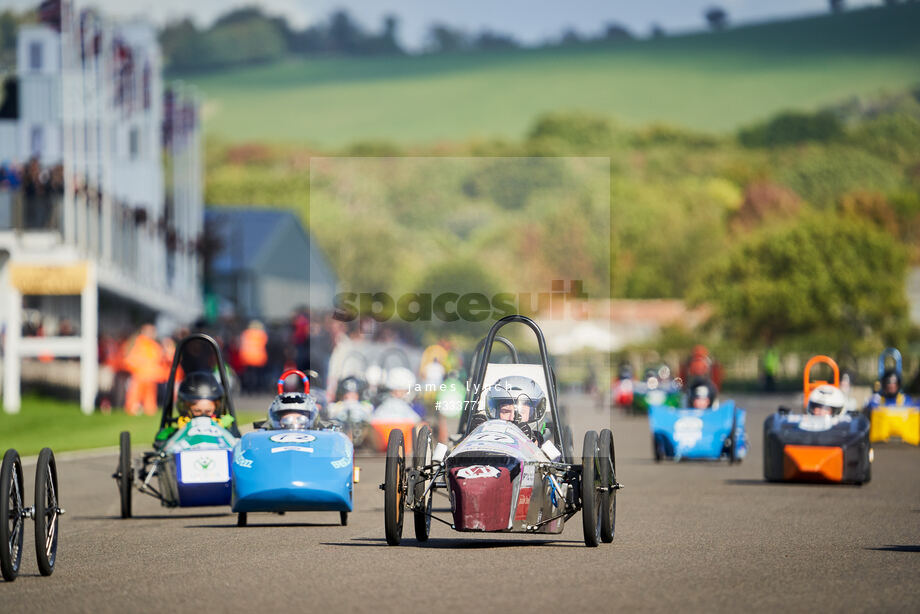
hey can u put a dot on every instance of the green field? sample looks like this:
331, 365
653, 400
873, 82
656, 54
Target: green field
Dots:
712, 82
59, 425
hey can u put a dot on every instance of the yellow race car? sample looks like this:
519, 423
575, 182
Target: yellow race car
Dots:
891, 412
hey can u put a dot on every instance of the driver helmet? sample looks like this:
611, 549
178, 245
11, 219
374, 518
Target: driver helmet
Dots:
400, 379
826, 400
516, 399
664, 372
292, 411
890, 384
351, 385
702, 394
200, 394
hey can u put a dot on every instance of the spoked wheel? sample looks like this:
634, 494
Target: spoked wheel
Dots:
11, 517
343, 518
421, 457
590, 498
241, 519
124, 474
47, 512
394, 488
608, 478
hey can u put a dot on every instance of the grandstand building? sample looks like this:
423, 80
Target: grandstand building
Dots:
101, 208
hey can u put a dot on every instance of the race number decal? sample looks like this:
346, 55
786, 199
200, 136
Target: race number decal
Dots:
204, 466
478, 471
492, 437
292, 438
688, 431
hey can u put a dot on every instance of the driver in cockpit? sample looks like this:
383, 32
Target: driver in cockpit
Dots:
519, 400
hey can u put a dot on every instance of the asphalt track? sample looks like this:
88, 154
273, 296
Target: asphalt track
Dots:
690, 537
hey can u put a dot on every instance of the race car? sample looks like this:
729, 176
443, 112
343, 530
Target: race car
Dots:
621, 392
291, 463
702, 429
825, 443
192, 451
657, 388
513, 471
46, 512
891, 412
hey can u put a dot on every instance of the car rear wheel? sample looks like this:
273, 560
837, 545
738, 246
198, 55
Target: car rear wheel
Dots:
11, 519
733, 440
241, 519
590, 501
343, 518
421, 457
394, 488
47, 512
608, 479
125, 474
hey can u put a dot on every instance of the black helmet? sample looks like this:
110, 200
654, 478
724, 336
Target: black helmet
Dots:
197, 386
888, 377
351, 384
701, 389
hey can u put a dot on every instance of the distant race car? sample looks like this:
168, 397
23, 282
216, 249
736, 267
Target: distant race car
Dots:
623, 387
896, 416
291, 463
498, 477
698, 434
824, 444
189, 465
657, 388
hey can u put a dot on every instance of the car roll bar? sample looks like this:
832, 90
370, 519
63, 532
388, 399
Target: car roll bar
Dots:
167, 416
547, 373
809, 384
883, 358
474, 366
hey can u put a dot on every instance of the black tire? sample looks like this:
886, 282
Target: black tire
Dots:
125, 473
47, 512
590, 502
12, 526
394, 488
241, 519
732, 439
608, 478
657, 452
343, 518
421, 457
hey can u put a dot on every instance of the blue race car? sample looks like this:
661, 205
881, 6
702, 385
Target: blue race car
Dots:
705, 430
290, 464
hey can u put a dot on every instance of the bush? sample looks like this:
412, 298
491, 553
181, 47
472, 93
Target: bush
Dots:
793, 127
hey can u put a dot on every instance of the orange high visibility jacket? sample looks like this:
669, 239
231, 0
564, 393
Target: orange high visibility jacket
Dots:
252, 347
145, 359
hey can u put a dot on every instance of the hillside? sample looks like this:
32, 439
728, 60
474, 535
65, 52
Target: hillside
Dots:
713, 82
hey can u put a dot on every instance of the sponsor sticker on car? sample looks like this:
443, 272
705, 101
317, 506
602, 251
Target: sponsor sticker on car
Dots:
292, 449
204, 466
688, 431
478, 471
292, 438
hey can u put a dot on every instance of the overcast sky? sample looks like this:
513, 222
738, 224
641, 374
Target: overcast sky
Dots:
530, 21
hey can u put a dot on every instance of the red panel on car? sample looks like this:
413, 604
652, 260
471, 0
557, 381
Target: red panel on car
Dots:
480, 497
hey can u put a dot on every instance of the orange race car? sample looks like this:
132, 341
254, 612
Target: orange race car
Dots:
825, 443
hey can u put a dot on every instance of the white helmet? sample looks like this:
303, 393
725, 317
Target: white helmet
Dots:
400, 378
826, 397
